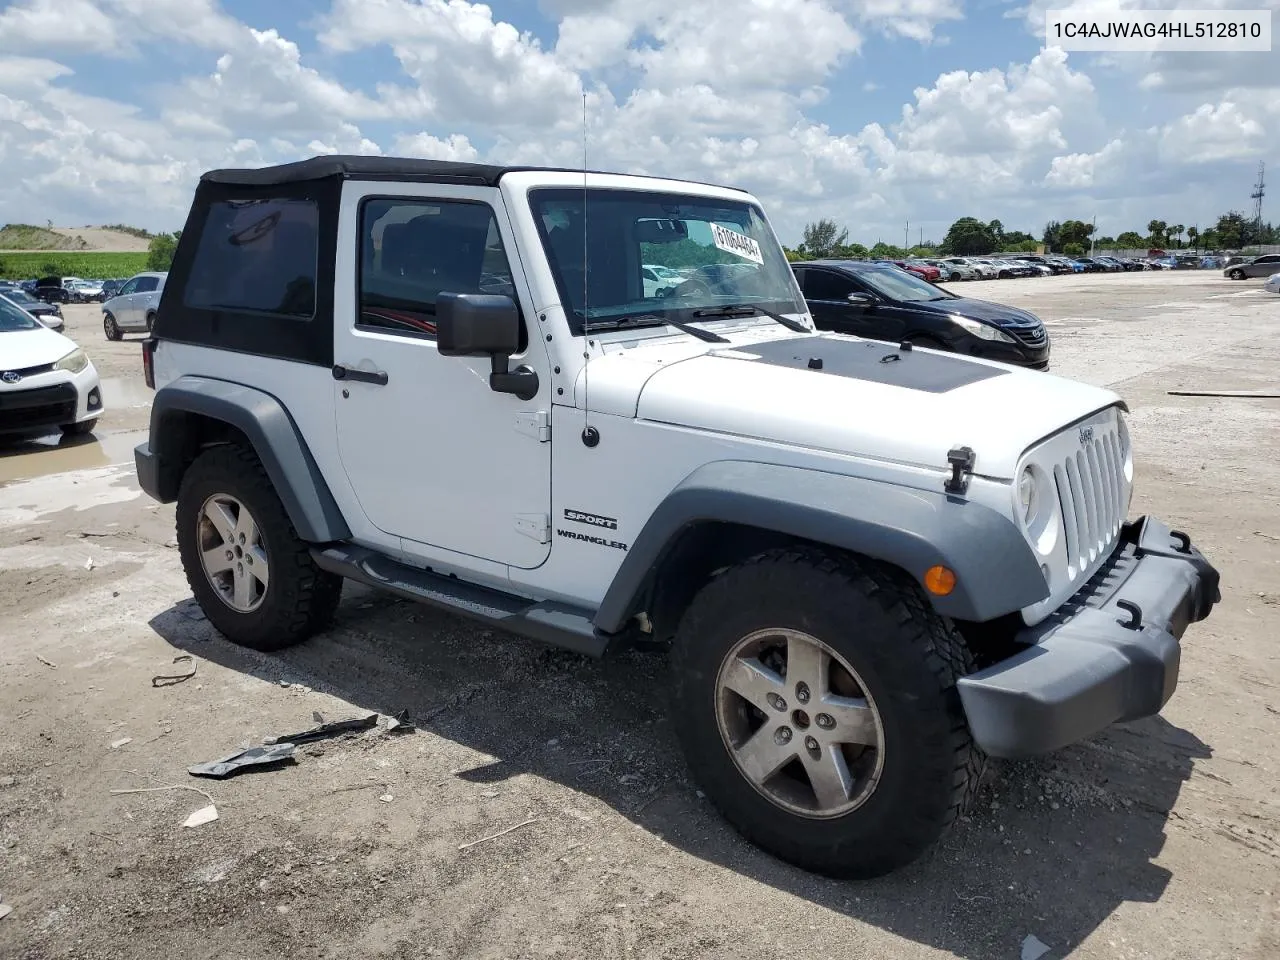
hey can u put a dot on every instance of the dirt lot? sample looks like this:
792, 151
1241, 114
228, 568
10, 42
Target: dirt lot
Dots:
1160, 839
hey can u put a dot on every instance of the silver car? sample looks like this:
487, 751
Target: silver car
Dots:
1263, 266
134, 307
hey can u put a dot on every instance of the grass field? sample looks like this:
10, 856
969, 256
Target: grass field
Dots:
90, 266
23, 236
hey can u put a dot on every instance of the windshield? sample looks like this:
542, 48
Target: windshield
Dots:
19, 297
13, 318
709, 253
902, 286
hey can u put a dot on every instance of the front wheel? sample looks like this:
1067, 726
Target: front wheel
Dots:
1236, 274
251, 574
816, 704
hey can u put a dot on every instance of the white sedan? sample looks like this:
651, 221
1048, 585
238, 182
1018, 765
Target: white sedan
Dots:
46, 381
1273, 283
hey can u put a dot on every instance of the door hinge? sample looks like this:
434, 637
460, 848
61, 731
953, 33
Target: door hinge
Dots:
534, 423
535, 526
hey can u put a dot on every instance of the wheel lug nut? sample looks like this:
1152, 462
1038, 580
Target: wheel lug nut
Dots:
230, 555
810, 744
802, 692
825, 721
777, 702
783, 735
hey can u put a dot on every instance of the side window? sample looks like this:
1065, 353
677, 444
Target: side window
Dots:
146, 284
800, 273
825, 285
257, 256
1271, 258
411, 251
130, 287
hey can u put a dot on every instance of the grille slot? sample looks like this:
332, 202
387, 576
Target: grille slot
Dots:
1091, 490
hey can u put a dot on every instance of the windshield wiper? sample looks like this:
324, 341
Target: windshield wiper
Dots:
680, 325
748, 309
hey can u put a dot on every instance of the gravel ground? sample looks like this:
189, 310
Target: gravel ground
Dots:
1157, 839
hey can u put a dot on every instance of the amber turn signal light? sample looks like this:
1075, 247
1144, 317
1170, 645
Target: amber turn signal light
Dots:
939, 580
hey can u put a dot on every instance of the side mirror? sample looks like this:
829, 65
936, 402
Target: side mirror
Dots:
485, 325
861, 300
476, 325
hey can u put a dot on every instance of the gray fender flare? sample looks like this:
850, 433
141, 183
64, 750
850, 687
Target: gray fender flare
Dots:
996, 570
274, 436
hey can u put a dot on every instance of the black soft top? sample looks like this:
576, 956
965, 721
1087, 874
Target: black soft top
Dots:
350, 167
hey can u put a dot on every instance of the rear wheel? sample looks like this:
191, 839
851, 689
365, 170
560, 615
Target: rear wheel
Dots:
815, 701
1236, 274
110, 327
253, 577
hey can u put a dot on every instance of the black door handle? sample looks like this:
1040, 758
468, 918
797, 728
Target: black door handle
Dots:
342, 372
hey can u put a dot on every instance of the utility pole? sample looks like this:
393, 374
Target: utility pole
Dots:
906, 237
1093, 237
1259, 191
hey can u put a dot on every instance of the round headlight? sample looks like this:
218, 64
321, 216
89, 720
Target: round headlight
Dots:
1028, 495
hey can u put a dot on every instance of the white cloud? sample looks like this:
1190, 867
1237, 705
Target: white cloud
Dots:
1079, 170
1212, 133
427, 147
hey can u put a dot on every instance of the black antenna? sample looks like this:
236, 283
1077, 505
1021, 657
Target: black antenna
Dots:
590, 435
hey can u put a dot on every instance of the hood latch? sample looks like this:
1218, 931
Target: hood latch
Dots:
961, 460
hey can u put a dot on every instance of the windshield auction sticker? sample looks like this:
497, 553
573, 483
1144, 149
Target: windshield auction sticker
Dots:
739, 244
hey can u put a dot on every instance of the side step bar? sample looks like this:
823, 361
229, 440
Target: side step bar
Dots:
557, 624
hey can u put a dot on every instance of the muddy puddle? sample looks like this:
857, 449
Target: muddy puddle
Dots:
42, 456
119, 393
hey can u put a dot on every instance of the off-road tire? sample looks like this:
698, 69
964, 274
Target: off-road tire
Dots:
909, 659
110, 327
300, 599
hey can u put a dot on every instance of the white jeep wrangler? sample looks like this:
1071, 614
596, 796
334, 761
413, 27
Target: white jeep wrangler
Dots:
875, 565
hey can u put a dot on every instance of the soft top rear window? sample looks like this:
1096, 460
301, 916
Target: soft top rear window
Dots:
257, 256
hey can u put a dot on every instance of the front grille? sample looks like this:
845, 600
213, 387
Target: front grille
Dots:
28, 371
1031, 336
41, 407
1094, 494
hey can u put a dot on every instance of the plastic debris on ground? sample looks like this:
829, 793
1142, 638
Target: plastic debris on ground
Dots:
254, 757
1033, 948
202, 816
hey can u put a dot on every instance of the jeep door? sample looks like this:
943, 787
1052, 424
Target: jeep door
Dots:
434, 456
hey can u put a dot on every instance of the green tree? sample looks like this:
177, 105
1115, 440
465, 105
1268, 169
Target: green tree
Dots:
160, 251
884, 251
1158, 233
1107, 243
969, 236
1052, 237
821, 239
1073, 249
850, 251
1075, 232
1192, 236
1130, 240
1232, 230
1176, 231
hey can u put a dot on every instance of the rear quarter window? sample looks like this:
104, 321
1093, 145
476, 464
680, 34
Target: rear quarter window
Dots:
257, 256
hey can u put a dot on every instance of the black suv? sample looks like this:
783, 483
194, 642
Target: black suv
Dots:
885, 303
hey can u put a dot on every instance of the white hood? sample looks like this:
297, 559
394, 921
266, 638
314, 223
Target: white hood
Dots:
910, 410
32, 348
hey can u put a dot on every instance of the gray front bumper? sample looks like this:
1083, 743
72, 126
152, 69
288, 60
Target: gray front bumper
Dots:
1109, 654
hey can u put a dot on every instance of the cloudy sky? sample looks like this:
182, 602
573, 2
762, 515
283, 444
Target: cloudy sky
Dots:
871, 112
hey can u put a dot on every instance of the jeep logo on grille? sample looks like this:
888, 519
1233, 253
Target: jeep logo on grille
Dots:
10, 376
1086, 434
